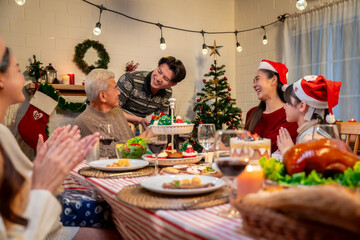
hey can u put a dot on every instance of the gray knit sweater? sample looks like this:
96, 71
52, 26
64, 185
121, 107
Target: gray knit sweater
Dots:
88, 123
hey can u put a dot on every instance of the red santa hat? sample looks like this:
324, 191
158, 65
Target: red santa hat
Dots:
277, 67
318, 93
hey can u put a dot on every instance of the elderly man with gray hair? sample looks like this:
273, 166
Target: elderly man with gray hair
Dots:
103, 94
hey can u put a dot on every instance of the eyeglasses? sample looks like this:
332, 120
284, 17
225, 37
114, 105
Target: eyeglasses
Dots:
4, 64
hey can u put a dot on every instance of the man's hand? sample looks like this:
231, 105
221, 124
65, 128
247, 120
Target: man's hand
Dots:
144, 122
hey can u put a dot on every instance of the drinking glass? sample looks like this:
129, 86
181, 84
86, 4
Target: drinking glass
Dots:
156, 144
231, 157
206, 137
325, 131
106, 138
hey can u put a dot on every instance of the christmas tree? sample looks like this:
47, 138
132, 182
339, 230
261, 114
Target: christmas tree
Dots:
36, 70
214, 103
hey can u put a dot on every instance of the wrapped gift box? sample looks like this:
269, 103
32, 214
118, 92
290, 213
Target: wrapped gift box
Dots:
81, 208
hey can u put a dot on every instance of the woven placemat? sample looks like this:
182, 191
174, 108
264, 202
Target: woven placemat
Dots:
137, 196
91, 172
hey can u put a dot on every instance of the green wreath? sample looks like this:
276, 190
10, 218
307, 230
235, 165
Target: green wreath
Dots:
80, 51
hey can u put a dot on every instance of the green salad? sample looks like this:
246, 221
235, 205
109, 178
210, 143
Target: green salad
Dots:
275, 171
133, 148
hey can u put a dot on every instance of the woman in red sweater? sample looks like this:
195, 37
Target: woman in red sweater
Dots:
267, 118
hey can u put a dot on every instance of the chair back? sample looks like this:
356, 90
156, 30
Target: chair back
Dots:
351, 130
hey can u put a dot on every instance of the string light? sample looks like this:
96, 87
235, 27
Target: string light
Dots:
204, 47
265, 41
238, 47
20, 2
280, 18
301, 4
162, 40
97, 29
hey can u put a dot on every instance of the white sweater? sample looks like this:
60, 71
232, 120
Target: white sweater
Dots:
42, 211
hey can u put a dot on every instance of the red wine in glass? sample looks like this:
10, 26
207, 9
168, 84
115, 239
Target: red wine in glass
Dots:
157, 147
231, 167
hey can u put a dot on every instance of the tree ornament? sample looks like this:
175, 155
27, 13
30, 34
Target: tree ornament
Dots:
240, 114
198, 100
200, 122
225, 78
215, 81
231, 120
208, 112
82, 48
219, 113
204, 80
211, 69
233, 127
201, 107
228, 123
227, 85
229, 89
196, 117
228, 98
194, 109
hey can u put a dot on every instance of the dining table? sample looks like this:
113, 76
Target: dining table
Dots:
139, 223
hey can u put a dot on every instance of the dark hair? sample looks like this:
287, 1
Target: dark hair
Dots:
10, 185
255, 116
289, 92
176, 66
5, 61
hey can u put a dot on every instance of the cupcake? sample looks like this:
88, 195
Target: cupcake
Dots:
189, 152
162, 155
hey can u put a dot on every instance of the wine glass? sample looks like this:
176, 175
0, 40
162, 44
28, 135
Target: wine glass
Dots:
231, 157
325, 131
206, 137
156, 143
105, 139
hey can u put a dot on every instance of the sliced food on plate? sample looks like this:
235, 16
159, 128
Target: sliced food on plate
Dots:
187, 183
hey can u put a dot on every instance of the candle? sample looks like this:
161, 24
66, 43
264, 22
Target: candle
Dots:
250, 181
72, 78
65, 79
352, 120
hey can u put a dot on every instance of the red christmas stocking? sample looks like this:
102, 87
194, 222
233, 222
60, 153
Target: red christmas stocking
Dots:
36, 118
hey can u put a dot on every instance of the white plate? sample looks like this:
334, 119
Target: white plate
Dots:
155, 183
134, 164
174, 161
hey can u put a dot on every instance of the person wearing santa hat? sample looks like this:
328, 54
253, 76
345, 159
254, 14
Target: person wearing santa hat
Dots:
309, 101
267, 118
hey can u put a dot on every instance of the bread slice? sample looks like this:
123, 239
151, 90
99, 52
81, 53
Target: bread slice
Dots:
330, 204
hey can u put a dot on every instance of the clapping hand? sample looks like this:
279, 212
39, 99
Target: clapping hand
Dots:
59, 155
284, 141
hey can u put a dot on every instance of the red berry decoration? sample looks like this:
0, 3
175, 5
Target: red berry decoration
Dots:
225, 78
204, 80
229, 89
228, 98
200, 122
233, 127
211, 69
198, 100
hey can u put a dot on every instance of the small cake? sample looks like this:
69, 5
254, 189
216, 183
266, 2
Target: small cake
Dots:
259, 147
175, 155
162, 155
179, 120
189, 152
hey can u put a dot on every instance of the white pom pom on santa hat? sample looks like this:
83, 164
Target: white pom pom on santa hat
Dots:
318, 93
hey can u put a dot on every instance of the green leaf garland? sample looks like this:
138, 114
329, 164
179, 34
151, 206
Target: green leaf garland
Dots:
82, 48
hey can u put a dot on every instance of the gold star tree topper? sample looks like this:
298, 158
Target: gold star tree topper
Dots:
215, 50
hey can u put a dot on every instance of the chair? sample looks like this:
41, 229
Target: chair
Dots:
351, 130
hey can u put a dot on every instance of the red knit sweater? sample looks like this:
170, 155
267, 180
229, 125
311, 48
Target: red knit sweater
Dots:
269, 125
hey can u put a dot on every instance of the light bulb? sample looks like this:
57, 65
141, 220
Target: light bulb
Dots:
20, 2
301, 4
238, 47
265, 41
162, 43
204, 49
97, 29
